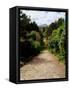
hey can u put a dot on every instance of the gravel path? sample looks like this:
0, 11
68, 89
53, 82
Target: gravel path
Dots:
43, 66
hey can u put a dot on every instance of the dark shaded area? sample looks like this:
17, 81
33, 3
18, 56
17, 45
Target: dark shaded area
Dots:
26, 50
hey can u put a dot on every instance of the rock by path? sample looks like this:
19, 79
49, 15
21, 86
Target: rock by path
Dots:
43, 66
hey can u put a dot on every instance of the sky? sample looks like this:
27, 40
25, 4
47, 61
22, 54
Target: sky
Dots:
44, 17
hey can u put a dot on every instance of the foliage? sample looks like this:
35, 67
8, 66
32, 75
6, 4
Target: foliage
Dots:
26, 24
32, 35
54, 25
34, 39
30, 38
56, 42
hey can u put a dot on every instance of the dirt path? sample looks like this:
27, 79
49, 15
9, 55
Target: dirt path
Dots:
43, 66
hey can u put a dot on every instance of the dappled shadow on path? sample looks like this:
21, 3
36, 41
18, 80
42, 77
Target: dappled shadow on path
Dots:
37, 60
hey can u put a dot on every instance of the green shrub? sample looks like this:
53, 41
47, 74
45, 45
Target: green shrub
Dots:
56, 42
32, 35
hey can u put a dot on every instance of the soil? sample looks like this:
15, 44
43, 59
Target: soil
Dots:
43, 66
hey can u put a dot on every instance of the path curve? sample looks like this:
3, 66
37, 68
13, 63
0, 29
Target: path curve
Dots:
43, 66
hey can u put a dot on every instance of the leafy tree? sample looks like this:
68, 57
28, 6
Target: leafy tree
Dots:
24, 21
56, 42
60, 21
